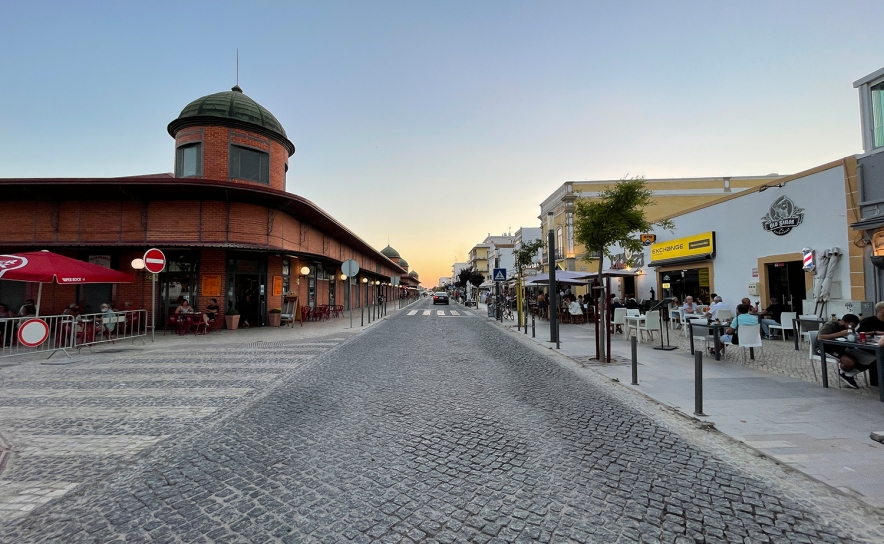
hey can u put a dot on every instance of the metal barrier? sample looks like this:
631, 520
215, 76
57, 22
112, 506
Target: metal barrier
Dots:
95, 329
44, 334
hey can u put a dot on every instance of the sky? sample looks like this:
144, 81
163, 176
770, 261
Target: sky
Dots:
429, 125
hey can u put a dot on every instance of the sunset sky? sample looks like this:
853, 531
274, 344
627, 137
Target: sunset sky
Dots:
429, 125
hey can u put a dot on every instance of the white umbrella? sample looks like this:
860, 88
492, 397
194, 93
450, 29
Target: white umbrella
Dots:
822, 267
833, 254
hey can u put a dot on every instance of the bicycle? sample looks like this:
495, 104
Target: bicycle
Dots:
508, 311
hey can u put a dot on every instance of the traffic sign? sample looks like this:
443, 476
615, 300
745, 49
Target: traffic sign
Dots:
499, 274
33, 332
154, 260
350, 268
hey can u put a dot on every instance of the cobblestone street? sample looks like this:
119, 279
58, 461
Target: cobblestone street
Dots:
422, 428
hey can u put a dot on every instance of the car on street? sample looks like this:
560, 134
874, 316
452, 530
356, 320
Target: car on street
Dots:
440, 298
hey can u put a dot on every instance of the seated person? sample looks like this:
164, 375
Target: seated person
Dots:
775, 310
106, 314
717, 304
212, 309
28, 309
690, 307
184, 308
575, 308
674, 314
743, 318
874, 324
852, 361
631, 303
72, 309
747, 302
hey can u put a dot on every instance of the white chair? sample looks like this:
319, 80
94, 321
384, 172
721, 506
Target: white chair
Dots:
723, 314
687, 319
786, 319
651, 324
803, 328
633, 311
700, 331
749, 337
814, 356
619, 318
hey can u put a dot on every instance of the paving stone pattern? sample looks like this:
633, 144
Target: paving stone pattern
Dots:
63, 427
433, 430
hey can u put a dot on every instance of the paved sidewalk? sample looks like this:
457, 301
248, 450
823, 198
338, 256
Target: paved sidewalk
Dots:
772, 404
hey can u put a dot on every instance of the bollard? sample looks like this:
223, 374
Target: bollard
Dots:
361, 316
558, 336
698, 383
532, 325
634, 341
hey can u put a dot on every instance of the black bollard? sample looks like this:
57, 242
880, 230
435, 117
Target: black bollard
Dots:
634, 344
698, 383
558, 335
361, 316
532, 325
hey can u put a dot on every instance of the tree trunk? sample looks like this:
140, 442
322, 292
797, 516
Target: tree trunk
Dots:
603, 314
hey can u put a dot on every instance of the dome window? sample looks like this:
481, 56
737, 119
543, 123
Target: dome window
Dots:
189, 161
249, 164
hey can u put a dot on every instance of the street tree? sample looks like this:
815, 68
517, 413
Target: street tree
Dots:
524, 257
469, 276
616, 218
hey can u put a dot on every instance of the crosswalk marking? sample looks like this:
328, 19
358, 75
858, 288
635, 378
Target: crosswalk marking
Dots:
454, 312
427, 312
440, 312
412, 312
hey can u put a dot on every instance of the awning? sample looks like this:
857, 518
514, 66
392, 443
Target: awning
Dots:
683, 260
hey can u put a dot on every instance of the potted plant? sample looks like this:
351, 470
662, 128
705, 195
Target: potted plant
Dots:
231, 319
274, 317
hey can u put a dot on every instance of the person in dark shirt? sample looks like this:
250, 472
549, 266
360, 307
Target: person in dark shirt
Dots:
874, 324
776, 311
852, 361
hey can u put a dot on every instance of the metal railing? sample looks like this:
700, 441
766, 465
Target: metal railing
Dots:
28, 335
102, 328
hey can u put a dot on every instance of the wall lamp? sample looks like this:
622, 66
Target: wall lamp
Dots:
138, 264
364, 280
305, 271
343, 277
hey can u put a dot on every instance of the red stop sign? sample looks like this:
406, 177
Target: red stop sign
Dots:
154, 260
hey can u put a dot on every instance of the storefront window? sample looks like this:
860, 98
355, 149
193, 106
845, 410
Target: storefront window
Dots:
286, 276
178, 282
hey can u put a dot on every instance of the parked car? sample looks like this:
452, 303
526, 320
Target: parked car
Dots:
440, 298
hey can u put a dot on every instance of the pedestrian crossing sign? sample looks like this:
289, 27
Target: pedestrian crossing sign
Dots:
499, 274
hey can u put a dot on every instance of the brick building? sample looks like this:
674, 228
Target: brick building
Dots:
229, 229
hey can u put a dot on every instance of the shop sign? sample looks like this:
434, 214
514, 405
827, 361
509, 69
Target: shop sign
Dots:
648, 239
782, 217
666, 286
754, 272
698, 245
627, 259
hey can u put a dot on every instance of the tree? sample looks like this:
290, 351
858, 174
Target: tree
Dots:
524, 256
616, 217
469, 276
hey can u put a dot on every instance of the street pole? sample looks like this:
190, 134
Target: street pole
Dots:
153, 306
497, 291
553, 295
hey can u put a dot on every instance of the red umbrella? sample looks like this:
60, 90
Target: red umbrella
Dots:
46, 267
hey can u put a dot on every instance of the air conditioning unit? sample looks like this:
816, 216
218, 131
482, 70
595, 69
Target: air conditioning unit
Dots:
754, 289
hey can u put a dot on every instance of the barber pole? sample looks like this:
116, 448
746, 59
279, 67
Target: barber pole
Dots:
809, 264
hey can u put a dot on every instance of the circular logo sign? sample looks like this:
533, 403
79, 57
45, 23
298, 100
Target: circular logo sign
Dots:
154, 261
11, 262
782, 217
33, 332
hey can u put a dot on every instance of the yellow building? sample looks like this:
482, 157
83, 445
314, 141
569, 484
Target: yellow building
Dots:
672, 196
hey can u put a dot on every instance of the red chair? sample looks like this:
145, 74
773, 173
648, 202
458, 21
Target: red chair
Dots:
195, 323
171, 321
305, 314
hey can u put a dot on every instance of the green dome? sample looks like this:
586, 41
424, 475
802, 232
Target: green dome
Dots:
413, 274
390, 253
234, 109
403, 263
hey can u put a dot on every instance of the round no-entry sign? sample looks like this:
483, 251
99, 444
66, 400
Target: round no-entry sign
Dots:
154, 260
33, 332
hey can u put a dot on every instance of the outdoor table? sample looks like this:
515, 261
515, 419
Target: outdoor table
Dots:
716, 334
634, 321
871, 346
798, 322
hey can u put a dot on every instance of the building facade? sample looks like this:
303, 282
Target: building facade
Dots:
229, 229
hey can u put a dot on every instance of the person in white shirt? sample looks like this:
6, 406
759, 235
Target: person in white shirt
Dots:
717, 304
